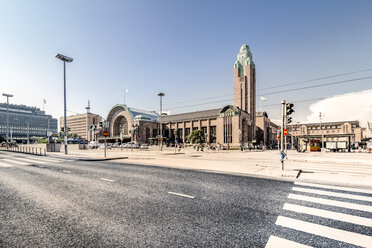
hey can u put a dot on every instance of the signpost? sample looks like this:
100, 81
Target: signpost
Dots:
285, 132
105, 134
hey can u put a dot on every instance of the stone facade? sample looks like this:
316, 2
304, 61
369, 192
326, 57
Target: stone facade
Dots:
232, 125
80, 124
266, 130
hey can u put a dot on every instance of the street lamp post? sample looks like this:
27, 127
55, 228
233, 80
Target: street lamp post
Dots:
160, 120
68, 60
7, 116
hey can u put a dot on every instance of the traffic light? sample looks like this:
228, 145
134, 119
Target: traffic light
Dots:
62, 129
289, 119
68, 129
289, 108
100, 124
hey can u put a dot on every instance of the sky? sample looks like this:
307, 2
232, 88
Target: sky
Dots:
187, 49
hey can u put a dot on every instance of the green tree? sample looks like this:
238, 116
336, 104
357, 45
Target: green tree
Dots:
196, 137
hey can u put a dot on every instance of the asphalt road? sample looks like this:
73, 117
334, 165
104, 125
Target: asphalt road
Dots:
49, 202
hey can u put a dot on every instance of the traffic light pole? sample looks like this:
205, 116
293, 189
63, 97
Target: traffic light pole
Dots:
285, 128
282, 131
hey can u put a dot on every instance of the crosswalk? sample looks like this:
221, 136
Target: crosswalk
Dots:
316, 215
6, 162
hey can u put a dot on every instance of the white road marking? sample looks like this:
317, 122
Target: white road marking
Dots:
325, 231
14, 161
335, 194
105, 179
66, 171
276, 242
329, 214
38, 160
334, 187
331, 202
179, 194
5, 165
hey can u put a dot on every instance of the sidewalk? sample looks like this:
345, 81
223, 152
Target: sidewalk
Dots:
347, 169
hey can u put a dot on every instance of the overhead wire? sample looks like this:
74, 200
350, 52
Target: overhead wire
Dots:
283, 85
277, 92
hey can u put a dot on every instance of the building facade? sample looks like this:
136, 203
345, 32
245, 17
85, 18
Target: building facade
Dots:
25, 121
266, 130
231, 125
80, 124
314, 136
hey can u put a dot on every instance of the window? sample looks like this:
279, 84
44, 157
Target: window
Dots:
187, 132
212, 135
204, 129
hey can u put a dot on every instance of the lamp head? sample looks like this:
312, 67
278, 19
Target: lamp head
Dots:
7, 95
64, 58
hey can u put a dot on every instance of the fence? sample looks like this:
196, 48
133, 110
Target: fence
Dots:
25, 149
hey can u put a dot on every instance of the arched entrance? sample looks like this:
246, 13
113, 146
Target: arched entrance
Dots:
121, 126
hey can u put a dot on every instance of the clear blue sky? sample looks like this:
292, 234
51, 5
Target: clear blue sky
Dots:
186, 49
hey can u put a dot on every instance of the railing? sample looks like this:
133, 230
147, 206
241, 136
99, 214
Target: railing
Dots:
25, 149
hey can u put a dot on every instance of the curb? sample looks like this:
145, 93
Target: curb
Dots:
100, 159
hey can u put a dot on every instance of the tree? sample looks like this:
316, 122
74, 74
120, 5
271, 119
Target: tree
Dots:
196, 137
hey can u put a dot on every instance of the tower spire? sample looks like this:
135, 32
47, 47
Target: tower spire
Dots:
88, 107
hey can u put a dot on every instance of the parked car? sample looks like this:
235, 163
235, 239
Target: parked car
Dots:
145, 146
93, 145
116, 145
127, 145
134, 145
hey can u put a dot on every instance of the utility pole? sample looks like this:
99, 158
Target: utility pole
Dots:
7, 116
28, 132
284, 106
160, 119
321, 131
292, 137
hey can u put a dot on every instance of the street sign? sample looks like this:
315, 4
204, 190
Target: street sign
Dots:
54, 135
285, 132
282, 156
160, 138
278, 138
105, 133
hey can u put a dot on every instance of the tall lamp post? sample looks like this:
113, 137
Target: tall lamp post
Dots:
7, 116
160, 120
68, 60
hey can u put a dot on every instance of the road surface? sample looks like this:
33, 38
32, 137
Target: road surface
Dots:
53, 202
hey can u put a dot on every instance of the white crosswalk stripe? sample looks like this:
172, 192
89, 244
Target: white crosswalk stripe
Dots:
10, 162
276, 242
300, 211
5, 165
367, 191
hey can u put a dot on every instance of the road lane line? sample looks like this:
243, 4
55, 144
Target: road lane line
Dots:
66, 171
106, 179
276, 242
5, 165
329, 214
179, 194
325, 231
335, 194
15, 161
331, 202
334, 187
38, 160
